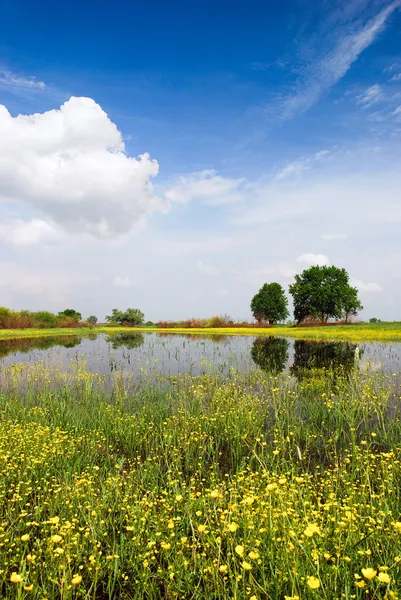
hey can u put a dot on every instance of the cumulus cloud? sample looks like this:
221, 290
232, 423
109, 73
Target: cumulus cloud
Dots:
124, 282
25, 233
313, 259
366, 287
70, 165
206, 186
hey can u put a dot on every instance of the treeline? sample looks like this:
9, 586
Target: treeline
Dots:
25, 319
213, 322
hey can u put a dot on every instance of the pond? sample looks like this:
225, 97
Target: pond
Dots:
147, 354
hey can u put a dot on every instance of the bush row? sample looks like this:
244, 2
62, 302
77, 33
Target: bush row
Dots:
24, 319
213, 322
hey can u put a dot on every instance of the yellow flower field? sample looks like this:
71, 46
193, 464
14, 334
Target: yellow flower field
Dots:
251, 487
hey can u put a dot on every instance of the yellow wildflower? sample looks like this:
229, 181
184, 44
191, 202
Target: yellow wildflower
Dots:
369, 573
76, 580
15, 578
246, 566
384, 578
233, 527
311, 529
28, 588
313, 582
223, 568
239, 550
25, 537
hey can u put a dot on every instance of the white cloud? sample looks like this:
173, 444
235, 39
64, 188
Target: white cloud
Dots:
124, 282
262, 275
334, 236
43, 286
366, 287
396, 77
313, 259
70, 165
303, 164
322, 74
206, 186
19, 83
371, 95
293, 169
207, 269
25, 233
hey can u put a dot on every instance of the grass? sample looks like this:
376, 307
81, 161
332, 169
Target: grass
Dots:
363, 332
6, 334
251, 487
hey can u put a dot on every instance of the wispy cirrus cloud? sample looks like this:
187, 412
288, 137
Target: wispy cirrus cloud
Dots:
18, 83
345, 46
370, 96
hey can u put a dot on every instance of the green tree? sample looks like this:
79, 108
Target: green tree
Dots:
324, 293
132, 317
351, 303
71, 313
92, 319
270, 303
44, 319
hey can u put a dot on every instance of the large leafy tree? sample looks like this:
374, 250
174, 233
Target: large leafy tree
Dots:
324, 293
270, 303
132, 317
70, 312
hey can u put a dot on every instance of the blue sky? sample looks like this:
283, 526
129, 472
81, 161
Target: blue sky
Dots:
270, 140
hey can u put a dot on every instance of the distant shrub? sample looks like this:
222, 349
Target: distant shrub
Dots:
220, 321
92, 319
68, 322
45, 320
195, 323
374, 320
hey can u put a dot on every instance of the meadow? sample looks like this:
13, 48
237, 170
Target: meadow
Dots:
248, 486
358, 332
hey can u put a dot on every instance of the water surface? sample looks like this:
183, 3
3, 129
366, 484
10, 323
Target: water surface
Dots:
140, 354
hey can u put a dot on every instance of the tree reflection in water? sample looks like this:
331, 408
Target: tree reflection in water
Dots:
126, 340
270, 354
339, 357
26, 345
